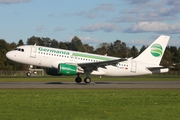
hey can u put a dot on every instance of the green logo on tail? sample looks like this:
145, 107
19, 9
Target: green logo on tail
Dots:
156, 50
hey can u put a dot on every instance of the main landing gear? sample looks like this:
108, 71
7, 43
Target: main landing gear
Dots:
79, 80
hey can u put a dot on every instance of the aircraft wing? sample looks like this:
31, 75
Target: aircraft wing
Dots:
94, 65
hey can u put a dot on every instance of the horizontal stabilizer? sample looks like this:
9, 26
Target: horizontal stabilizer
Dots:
160, 69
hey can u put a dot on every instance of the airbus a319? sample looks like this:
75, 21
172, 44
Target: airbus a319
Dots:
67, 62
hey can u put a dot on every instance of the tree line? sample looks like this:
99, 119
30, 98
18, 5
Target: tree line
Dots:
116, 48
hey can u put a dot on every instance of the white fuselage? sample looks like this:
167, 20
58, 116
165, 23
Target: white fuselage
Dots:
51, 57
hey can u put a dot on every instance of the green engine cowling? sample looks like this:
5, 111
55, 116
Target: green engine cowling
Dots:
67, 69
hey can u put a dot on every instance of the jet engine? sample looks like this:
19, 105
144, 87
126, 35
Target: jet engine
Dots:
52, 71
67, 69
64, 69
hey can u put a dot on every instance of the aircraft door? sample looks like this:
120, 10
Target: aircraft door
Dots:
133, 66
33, 52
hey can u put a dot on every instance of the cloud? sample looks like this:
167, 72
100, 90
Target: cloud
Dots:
173, 2
105, 7
86, 14
57, 29
89, 40
157, 27
106, 27
13, 1
51, 15
94, 12
148, 10
40, 28
174, 43
137, 1
85, 39
139, 43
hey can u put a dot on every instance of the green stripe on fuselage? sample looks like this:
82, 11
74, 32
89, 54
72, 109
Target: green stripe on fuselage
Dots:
91, 56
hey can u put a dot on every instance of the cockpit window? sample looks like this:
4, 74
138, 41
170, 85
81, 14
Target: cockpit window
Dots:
19, 49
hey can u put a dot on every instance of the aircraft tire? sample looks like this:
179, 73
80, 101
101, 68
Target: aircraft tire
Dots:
78, 80
87, 80
28, 74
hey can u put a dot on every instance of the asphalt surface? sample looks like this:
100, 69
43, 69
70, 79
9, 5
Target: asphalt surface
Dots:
96, 85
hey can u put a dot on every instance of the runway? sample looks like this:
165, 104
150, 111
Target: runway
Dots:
94, 85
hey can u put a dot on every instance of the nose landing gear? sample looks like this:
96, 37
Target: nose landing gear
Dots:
34, 72
28, 74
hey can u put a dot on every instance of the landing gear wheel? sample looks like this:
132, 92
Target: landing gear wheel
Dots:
78, 80
87, 80
28, 74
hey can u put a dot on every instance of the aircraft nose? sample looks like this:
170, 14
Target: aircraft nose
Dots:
9, 55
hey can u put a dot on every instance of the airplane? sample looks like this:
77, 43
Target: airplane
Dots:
66, 62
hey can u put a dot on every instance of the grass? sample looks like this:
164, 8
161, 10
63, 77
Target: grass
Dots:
94, 78
89, 104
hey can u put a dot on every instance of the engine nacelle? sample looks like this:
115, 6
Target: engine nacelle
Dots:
64, 69
67, 69
51, 71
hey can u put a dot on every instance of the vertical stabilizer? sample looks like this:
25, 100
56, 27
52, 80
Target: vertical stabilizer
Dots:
154, 53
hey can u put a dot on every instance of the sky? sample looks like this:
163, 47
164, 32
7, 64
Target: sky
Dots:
135, 22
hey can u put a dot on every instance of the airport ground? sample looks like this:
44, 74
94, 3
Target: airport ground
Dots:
145, 97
